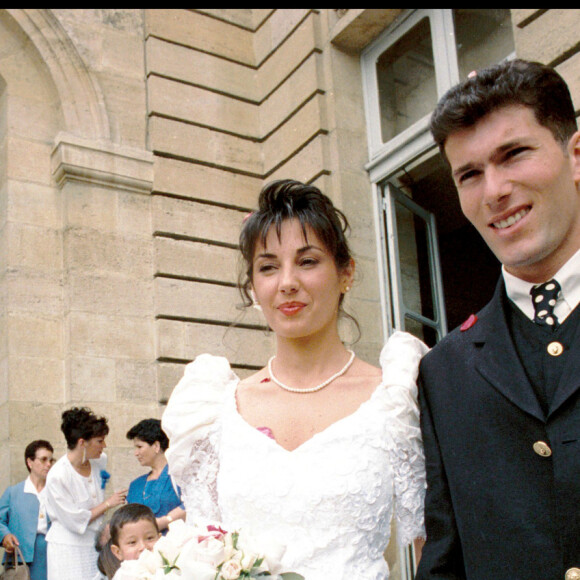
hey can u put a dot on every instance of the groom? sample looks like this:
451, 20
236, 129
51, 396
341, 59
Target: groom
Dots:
500, 396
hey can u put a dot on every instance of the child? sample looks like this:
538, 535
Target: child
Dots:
133, 529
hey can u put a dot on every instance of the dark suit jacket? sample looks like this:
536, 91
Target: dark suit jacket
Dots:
495, 508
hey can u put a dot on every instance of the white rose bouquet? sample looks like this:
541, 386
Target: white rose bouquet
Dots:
206, 552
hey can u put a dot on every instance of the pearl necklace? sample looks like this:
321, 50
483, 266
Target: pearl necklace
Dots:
317, 387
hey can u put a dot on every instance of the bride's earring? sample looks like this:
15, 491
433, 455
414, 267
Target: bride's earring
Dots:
255, 303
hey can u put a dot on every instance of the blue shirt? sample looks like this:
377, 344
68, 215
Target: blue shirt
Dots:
158, 494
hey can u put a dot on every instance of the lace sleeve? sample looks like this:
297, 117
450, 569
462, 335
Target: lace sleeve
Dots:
191, 421
400, 363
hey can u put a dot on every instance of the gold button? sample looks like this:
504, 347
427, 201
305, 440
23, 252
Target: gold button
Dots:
555, 348
542, 449
573, 574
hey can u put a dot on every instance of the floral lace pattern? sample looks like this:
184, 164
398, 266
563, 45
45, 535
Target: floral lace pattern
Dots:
331, 500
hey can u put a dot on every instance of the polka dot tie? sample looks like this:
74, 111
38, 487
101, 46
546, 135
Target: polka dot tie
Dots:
544, 298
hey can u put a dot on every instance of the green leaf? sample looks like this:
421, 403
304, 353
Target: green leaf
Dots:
291, 576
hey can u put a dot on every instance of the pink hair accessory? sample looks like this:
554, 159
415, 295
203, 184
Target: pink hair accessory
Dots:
246, 217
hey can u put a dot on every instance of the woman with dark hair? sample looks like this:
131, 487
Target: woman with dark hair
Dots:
318, 450
75, 497
154, 489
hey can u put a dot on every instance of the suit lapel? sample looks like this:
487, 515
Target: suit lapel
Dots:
497, 360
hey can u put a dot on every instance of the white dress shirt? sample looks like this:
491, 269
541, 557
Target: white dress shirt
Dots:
42, 525
569, 279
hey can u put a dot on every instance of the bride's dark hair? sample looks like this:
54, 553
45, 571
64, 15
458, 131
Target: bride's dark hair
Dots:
289, 199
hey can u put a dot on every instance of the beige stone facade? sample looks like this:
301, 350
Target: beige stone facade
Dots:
132, 144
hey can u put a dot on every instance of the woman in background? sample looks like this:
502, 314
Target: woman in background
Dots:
75, 497
154, 489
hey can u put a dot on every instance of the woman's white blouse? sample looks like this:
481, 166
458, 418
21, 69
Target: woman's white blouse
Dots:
69, 499
331, 500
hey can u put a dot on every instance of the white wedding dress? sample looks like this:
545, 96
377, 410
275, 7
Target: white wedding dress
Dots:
331, 500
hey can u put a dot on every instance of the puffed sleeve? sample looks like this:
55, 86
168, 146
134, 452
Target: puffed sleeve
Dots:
191, 423
399, 360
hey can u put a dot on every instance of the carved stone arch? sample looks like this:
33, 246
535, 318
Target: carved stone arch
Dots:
81, 98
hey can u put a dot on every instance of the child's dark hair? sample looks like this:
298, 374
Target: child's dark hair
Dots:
150, 431
107, 562
129, 514
81, 423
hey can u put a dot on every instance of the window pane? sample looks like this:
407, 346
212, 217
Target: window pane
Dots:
483, 36
412, 239
406, 79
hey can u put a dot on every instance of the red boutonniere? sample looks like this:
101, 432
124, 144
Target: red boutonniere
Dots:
469, 322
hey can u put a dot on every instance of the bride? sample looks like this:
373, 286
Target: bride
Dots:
318, 450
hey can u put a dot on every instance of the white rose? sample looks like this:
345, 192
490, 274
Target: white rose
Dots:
192, 570
263, 546
180, 533
210, 550
248, 560
149, 560
132, 570
231, 570
166, 548
161, 575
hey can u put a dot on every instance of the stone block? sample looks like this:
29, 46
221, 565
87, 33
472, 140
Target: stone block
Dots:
123, 416
196, 260
197, 220
521, 16
111, 294
168, 375
34, 420
202, 302
30, 335
35, 379
34, 292
358, 27
136, 379
197, 30
92, 207
549, 36
111, 336
201, 69
127, 107
301, 86
206, 183
276, 29
203, 107
134, 214
92, 252
205, 146
281, 63
291, 137
241, 346
34, 204
305, 164
29, 161
92, 379
34, 247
